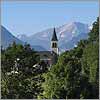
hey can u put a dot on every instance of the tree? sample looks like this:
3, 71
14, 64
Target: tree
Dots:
76, 74
90, 59
27, 56
24, 84
63, 79
94, 33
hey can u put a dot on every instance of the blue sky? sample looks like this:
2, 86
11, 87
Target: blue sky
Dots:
29, 17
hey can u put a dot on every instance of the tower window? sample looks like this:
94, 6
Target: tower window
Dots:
54, 45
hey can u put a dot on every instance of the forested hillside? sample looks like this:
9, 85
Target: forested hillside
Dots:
74, 76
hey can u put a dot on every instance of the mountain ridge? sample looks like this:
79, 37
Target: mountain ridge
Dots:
65, 33
68, 36
7, 38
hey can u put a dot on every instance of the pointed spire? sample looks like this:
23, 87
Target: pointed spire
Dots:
54, 37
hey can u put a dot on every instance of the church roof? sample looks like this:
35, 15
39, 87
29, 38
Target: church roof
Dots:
54, 36
46, 54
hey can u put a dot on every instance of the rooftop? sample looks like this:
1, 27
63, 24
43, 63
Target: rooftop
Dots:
54, 37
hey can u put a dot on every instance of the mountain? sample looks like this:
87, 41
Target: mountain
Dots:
7, 38
68, 36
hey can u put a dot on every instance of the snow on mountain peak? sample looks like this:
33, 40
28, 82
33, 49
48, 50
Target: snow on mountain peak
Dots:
44, 35
68, 35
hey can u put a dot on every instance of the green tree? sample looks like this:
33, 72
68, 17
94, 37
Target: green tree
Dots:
94, 33
25, 84
76, 74
63, 79
90, 60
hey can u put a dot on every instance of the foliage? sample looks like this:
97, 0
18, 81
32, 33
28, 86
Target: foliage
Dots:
27, 57
18, 86
94, 33
26, 84
76, 74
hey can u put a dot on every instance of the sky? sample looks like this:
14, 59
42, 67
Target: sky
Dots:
29, 17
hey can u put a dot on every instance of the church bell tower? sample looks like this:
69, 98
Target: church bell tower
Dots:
54, 42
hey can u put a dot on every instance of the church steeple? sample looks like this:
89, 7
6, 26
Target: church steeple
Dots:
54, 36
54, 42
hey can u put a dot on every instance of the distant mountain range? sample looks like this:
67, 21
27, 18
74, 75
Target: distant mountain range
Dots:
68, 36
7, 38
